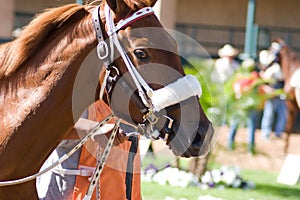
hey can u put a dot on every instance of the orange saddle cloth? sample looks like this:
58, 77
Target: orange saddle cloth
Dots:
120, 178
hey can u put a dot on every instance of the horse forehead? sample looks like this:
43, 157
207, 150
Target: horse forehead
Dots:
150, 37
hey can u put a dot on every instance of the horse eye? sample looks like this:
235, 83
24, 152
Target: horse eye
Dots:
141, 54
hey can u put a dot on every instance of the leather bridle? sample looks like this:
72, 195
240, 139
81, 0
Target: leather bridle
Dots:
148, 96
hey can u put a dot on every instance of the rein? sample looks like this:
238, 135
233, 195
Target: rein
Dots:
96, 175
91, 134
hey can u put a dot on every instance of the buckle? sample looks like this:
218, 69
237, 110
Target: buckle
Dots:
102, 50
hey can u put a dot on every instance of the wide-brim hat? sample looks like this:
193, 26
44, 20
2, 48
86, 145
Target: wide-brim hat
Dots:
228, 50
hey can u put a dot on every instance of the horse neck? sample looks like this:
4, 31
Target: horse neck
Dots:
37, 109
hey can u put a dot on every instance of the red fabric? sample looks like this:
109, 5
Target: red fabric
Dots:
245, 82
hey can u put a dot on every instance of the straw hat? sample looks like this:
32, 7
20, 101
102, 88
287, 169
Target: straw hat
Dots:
228, 50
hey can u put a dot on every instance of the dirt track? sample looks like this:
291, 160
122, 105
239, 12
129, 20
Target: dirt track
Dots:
269, 154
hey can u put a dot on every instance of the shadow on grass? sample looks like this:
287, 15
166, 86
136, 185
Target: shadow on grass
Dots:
279, 190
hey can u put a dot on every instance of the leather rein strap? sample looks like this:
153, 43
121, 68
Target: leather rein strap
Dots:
91, 134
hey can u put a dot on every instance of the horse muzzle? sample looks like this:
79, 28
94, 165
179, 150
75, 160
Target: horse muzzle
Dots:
191, 144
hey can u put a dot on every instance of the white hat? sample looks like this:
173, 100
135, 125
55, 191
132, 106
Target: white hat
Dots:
263, 57
228, 50
266, 58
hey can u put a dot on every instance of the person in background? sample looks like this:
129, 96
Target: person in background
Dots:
246, 84
275, 106
226, 65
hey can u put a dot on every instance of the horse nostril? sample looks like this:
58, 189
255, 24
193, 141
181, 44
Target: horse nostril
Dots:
198, 139
201, 135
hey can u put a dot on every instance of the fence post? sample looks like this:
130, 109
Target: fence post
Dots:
250, 30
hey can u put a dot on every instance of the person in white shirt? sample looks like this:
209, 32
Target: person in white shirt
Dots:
272, 74
226, 65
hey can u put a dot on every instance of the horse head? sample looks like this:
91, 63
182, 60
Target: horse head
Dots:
145, 81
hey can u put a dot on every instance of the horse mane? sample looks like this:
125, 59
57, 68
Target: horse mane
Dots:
13, 54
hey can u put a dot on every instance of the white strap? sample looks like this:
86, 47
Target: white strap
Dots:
97, 24
176, 92
136, 16
137, 78
82, 171
103, 50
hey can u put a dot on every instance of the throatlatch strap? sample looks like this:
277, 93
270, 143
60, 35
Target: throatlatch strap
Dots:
103, 49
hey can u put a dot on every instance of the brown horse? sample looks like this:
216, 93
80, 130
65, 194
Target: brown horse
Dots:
37, 75
288, 62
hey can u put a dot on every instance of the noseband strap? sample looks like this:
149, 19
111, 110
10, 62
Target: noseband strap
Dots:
176, 92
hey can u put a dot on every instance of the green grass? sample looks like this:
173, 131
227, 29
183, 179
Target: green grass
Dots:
267, 188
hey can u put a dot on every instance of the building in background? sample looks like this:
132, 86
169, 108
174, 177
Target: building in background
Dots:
18, 13
211, 23
216, 22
